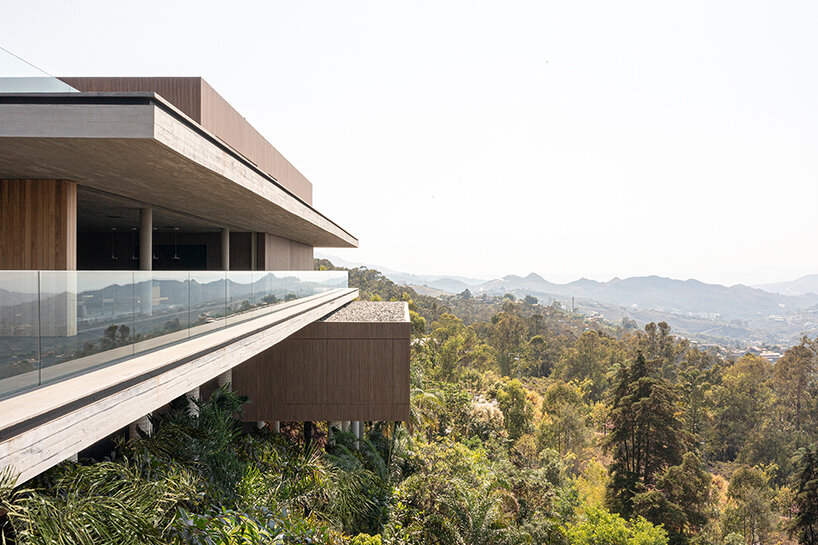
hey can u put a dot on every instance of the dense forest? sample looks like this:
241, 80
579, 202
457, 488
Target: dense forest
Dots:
529, 424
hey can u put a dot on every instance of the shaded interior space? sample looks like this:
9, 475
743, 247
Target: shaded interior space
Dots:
108, 237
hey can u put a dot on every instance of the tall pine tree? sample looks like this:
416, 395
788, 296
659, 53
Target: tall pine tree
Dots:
646, 437
805, 522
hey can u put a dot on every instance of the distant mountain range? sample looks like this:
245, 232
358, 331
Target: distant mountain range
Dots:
773, 313
447, 283
802, 286
658, 293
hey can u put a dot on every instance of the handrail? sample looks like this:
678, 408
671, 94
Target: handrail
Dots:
55, 324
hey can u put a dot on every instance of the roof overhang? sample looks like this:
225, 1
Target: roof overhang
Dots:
139, 146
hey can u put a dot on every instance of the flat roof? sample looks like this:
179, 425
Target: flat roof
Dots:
370, 311
140, 146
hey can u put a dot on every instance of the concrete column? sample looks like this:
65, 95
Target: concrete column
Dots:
145, 289
253, 258
358, 431
226, 248
195, 393
143, 424
145, 239
225, 378
276, 426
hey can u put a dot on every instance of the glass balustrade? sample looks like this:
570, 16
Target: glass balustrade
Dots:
55, 324
20, 76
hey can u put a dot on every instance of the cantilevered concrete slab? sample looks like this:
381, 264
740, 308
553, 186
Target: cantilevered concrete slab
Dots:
200, 102
139, 146
40, 428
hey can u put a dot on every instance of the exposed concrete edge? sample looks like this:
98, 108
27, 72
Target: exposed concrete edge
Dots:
18, 121
145, 385
179, 136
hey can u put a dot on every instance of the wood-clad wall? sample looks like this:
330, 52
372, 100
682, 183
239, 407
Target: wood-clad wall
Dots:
184, 93
330, 371
281, 254
240, 251
38, 224
203, 104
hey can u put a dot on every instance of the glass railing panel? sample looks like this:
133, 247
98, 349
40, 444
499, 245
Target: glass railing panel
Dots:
268, 291
336, 279
20, 76
57, 323
289, 285
162, 308
19, 330
86, 320
316, 282
208, 293
239, 296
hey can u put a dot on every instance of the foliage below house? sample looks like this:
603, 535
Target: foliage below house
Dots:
529, 424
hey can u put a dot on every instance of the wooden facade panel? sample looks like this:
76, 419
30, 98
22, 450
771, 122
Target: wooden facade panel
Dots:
306, 363
381, 372
240, 251
400, 369
314, 378
348, 371
301, 257
184, 93
280, 254
38, 224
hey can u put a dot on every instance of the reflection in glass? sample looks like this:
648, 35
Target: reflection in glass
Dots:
54, 324
19, 76
162, 308
19, 331
207, 301
86, 320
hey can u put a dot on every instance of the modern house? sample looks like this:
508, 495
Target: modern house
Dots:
154, 245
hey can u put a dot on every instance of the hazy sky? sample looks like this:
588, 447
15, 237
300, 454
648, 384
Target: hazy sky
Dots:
568, 138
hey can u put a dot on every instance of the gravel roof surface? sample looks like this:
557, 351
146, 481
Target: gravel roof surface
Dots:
370, 311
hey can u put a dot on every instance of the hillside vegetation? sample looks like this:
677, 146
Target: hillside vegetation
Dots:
529, 424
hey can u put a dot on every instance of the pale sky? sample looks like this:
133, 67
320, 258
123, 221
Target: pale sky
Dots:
571, 139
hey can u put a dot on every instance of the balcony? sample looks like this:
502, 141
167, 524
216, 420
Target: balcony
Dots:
83, 354
57, 324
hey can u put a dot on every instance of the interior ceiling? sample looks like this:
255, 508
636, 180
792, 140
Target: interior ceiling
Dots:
100, 211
